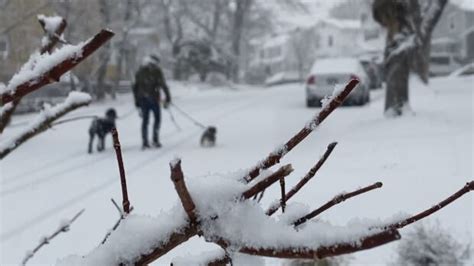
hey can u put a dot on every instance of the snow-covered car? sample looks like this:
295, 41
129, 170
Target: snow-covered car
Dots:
442, 64
463, 71
327, 73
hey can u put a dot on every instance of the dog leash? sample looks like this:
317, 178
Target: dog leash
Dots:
173, 120
73, 119
197, 123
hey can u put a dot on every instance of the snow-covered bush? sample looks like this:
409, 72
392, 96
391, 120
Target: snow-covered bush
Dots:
430, 245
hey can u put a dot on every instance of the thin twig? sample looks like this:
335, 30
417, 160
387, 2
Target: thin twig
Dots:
123, 180
44, 241
178, 180
122, 215
275, 157
53, 37
305, 179
336, 200
467, 188
260, 197
283, 198
268, 181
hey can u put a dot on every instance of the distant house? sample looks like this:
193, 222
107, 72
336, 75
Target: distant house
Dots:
288, 56
454, 33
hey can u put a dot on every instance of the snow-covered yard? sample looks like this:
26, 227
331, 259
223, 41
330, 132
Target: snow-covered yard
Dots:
420, 158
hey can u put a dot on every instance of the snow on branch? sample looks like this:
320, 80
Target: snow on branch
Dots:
41, 70
275, 156
44, 120
178, 180
63, 228
53, 28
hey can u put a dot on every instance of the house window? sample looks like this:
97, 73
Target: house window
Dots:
330, 40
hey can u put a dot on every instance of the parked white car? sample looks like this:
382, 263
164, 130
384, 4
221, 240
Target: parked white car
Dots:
330, 72
442, 64
466, 70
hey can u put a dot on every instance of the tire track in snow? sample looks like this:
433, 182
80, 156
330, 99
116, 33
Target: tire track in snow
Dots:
75, 166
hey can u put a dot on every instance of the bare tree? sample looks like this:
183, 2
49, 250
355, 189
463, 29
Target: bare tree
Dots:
409, 28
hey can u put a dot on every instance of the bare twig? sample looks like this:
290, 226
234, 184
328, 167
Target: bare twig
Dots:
467, 188
122, 215
178, 179
336, 200
283, 198
268, 181
305, 179
55, 73
275, 157
368, 242
64, 227
123, 180
6, 113
260, 197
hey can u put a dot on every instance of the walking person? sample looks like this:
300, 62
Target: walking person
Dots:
149, 82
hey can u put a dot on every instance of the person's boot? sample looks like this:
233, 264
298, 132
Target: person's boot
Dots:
156, 142
145, 145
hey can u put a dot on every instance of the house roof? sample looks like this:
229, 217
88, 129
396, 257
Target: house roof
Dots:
467, 5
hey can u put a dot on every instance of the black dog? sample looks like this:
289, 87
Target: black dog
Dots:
208, 138
101, 127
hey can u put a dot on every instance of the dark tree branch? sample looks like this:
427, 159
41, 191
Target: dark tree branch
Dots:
123, 180
6, 114
268, 181
336, 200
466, 189
368, 242
305, 179
44, 241
275, 157
55, 73
283, 198
178, 180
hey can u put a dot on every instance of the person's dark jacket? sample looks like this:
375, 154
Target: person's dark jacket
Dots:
149, 81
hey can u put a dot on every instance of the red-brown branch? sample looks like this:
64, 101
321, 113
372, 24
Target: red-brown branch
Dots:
467, 188
336, 200
53, 39
220, 261
275, 157
268, 181
123, 180
54, 74
178, 180
305, 179
368, 242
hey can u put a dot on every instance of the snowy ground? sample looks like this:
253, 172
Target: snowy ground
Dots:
420, 158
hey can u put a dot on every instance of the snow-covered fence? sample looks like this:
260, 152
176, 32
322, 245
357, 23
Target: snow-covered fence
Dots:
220, 209
44, 67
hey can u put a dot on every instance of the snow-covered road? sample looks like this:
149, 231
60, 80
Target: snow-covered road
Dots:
420, 158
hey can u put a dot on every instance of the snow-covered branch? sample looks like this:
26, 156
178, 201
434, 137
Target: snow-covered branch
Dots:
44, 69
430, 17
43, 121
275, 156
63, 228
53, 28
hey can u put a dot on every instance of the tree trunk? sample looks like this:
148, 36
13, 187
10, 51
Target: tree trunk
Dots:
104, 56
397, 74
242, 7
